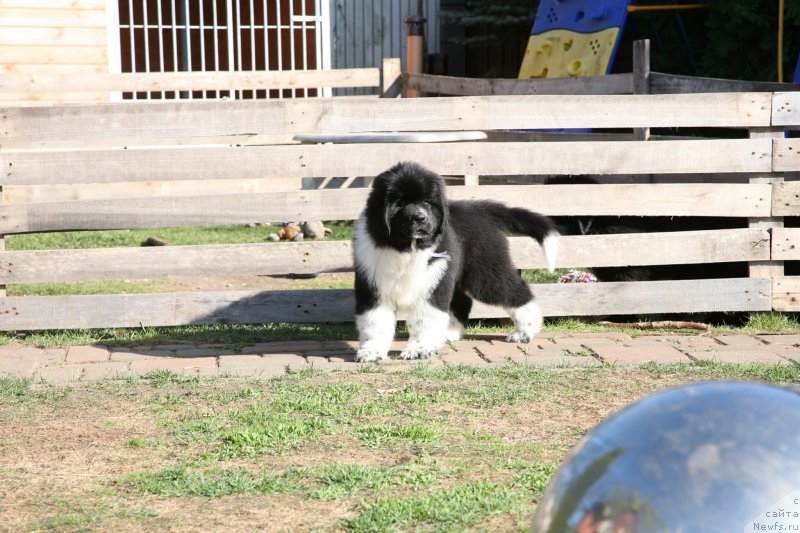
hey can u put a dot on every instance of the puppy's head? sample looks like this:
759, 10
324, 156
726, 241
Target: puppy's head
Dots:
406, 205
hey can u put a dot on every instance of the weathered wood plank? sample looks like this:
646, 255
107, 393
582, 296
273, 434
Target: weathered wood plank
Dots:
54, 4
786, 109
786, 244
65, 55
349, 115
336, 256
53, 36
189, 81
171, 309
49, 16
692, 199
450, 85
486, 159
15, 194
674, 84
786, 294
786, 155
786, 199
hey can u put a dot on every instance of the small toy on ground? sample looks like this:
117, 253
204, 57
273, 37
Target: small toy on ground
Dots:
576, 276
297, 231
291, 231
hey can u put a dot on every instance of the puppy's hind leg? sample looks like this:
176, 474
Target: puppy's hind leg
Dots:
527, 321
375, 334
460, 307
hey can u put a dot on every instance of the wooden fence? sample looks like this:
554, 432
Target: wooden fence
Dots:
64, 168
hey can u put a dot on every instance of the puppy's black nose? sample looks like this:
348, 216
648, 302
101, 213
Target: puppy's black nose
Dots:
420, 216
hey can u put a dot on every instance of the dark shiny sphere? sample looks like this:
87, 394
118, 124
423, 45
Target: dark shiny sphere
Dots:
709, 457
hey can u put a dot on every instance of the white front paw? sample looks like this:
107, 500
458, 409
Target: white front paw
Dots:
519, 336
416, 353
369, 356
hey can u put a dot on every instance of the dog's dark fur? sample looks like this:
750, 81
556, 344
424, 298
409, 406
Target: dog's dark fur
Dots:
462, 242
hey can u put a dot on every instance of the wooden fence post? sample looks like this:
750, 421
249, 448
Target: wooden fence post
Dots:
391, 82
641, 79
641, 85
766, 269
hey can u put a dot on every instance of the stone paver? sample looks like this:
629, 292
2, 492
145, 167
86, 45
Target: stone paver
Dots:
739, 356
88, 354
269, 359
463, 356
43, 355
255, 365
60, 374
788, 340
582, 335
124, 356
105, 370
181, 365
740, 341
18, 367
497, 351
788, 351
556, 355
294, 347
633, 353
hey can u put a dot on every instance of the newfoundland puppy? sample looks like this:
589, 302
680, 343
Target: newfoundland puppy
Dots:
418, 254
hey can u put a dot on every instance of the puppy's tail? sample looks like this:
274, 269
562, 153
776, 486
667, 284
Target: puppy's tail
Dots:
525, 222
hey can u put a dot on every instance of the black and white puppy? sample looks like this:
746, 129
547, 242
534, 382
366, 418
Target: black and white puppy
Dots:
421, 256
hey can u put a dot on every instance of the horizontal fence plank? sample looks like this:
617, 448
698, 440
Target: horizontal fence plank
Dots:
786, 155
350, 115
336, 256
786, 198
237, 307
429, 83
785, 244
15, 194
189, 81
674, 84
142, 142
691, 199
481, 158
786, 294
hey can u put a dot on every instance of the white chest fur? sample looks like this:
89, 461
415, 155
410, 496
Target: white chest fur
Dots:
403, 279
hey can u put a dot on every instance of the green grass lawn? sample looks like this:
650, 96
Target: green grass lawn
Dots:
431, 449
231, 234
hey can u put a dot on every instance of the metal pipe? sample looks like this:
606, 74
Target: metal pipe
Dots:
415, 48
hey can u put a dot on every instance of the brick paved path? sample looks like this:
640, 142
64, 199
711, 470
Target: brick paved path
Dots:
61, 365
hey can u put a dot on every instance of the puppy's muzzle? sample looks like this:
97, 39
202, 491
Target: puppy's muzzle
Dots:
419, 223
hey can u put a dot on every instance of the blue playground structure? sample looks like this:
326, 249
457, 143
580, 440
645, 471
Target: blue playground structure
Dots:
574, 38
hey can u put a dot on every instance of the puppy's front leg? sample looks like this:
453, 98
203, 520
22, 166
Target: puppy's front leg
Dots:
375, 333
427, 331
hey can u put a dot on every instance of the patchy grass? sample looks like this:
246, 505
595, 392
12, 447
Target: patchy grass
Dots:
180, 481
445, 449
457, 507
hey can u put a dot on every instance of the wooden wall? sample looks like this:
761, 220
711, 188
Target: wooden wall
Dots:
52, 36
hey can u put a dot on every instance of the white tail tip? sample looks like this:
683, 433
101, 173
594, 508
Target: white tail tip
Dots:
550, 248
